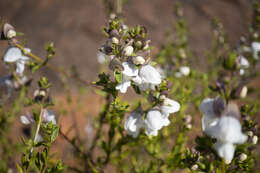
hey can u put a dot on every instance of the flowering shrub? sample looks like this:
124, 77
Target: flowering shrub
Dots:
155, 130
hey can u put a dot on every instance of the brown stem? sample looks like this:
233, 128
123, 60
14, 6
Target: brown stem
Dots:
101, 123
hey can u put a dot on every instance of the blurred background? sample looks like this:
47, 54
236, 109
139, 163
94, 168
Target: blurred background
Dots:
75, 26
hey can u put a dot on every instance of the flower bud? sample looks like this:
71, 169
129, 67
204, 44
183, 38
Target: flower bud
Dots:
185, 70
188, 126
182, 53
243, 92
255, 35
40, 95
11, 34
115, 40
187, 119
162, 97
138, 44
250, 133
112, 16
128, 50
9, 31
194, 167
242, 157
138, 60
115, 63
255, 140
146, 44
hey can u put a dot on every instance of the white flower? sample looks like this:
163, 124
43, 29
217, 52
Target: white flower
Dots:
14, 54
255, 48
169, 106
24, 120
209, 118
225, 150
243, 64
134, 123
48, 116
155, 121
27, 119
226, 128
130, 71
148, 77
128, 50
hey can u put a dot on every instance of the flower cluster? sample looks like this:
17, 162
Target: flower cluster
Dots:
221, 121
128, 51
129, 54
155, 119
16, 56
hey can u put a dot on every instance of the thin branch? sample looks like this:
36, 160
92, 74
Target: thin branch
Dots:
101, 122
54, 68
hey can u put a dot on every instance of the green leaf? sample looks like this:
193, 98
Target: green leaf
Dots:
118, 76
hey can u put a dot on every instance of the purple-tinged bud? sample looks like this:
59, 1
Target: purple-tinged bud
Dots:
9, 31
165, 93
115, 63
187, 119
231, 110
219, 105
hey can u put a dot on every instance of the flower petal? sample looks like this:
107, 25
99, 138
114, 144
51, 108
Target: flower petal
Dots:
12, 54
24, 120
150, 75
225, 151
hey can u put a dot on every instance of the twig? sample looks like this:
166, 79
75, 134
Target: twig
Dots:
52, 67
101, 122
85, 155
73, 144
